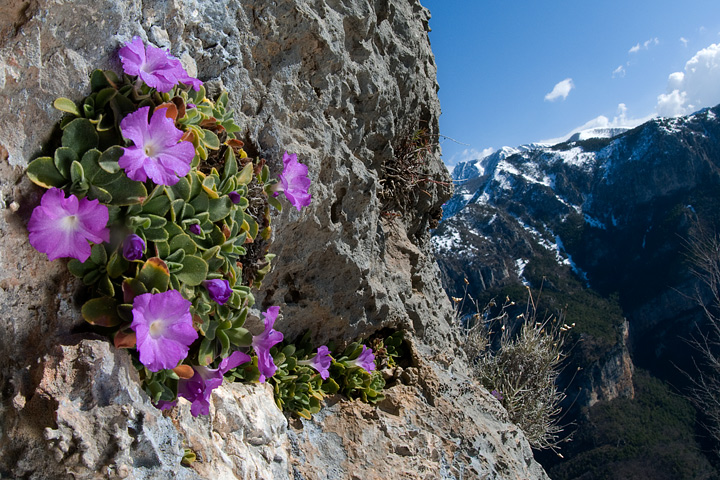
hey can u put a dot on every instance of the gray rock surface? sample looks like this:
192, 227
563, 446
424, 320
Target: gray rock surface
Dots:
342, 83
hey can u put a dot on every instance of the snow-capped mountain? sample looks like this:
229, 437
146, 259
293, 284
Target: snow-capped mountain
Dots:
616, 211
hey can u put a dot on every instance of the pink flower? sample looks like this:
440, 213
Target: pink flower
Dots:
164, 329
156, 67
156, 152
133, 247
294, 182
366, 360
264, 342
62, 227
219, 290
198, 388
320, 362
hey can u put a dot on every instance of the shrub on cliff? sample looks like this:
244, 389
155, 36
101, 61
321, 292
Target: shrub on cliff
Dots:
521, 369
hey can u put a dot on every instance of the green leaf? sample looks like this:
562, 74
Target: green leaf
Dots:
239, 336
219, 208
154, 274
156, 221
275, 203
224, 342
181, 189
91, 168
100, 79
176, 257
206, 352
176, 207
125, 191
201, 202
99, 193
66, 105
132, 287
42, 171
184, 242
101, 311
77, 173
211, 140
157, 206
80, 135
105, 286
194, 270
231, 167
109, 159
211, 252
80, 269
163, 249
156, 235
103, 97
98, 254
246, 175
64, 157
116, 265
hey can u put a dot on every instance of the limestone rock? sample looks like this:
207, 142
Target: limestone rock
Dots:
443, 427
345, 84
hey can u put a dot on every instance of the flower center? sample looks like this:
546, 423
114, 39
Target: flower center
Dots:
150, 149
156, 328
69, 223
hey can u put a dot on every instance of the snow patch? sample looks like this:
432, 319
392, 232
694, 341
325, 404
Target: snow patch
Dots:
520, 265
594, 222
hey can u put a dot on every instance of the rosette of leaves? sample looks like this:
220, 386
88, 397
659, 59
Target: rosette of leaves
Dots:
193, 230
356, 382
299, 388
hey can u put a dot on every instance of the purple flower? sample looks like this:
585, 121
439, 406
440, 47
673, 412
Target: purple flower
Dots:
234, 197
198, 388
156, 152
133, 247
264, 342
320, 362
164, 328
219, 290
165, 405
294, 182
155, 66
62, 227
496, 394
366, 360
195, 228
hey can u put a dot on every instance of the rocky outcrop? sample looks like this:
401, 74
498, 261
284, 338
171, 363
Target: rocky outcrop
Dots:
343, 84
609, 377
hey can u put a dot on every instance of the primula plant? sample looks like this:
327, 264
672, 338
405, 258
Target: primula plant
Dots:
152, 196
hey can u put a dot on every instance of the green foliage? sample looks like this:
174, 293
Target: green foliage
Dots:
650, 436
86, 164
300, 389
214, 223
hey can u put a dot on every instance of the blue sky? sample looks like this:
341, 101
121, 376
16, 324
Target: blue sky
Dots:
518, 72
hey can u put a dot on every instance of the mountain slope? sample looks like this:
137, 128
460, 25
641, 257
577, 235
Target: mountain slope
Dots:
601, 225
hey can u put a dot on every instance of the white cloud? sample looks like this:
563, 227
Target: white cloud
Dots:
562, 89
684, 41
695, 88
644, 46
619, 120
619, 72
470, 154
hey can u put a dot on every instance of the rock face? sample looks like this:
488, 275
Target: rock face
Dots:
345, 84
